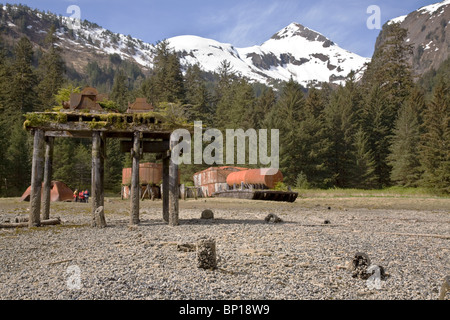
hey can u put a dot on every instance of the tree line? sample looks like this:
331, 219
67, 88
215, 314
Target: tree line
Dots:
385, 129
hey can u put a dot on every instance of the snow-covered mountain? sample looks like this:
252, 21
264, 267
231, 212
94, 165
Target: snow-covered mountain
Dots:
295, 51
428, 33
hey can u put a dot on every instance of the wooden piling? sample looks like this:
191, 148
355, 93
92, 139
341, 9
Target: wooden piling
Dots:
37, 172
48, 171
165, 188
98, 198
135, 187
174, 190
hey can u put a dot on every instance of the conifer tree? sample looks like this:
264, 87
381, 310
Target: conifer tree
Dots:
341, 124
51, 71
435, 142
406, 141
22, 97
286, 117
364, 168
18, 157
166, 83
197, 96
120, 91
377, 127
262, 106
387, 83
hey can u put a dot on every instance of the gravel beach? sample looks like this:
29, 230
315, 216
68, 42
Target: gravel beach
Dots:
304, 257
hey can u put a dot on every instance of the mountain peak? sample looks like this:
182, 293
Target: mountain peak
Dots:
296, 29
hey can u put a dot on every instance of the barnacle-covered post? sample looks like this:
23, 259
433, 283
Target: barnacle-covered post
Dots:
37, 171
135, 186
174, 188
165, 187
98, 197
48, 171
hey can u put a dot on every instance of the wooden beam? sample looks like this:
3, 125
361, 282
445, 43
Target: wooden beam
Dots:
135, 187
174, 190
148, 146
37, 172
48, 171
98, 198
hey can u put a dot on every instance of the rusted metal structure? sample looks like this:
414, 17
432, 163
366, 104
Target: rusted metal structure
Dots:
139, 133
256, 184
59, 192
149, 173
150, 180
213, 179
86, 100
140, 106
258, 178
242, 183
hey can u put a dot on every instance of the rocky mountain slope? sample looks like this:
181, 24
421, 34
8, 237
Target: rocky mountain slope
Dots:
428, 33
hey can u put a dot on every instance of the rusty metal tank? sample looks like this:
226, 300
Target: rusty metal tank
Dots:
149, 173
267, 177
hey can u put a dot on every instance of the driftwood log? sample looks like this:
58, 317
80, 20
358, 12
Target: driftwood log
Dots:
50, 222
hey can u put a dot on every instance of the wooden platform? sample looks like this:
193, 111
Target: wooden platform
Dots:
148, 132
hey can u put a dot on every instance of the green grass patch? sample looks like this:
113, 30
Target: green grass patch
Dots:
392, 192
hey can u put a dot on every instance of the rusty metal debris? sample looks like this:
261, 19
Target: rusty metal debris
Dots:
86, 100
140, 106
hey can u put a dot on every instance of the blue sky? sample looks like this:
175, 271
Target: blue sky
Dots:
240, 22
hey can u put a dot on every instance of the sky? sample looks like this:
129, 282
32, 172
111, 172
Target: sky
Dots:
243, 23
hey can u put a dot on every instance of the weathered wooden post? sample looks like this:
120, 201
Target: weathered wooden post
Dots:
98, 198
135, 185
37, 172
165, 187
48, 171
174, 189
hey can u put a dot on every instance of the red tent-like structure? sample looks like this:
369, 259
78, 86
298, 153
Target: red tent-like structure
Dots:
59, 192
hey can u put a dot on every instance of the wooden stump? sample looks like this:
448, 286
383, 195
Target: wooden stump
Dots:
206, 254
207, 214
37, 172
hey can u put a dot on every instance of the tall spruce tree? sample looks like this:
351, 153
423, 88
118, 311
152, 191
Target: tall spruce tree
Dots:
435, 142
166, 83
377, 126
51, 71
286, 117
120, 92
404, 149
364, 168
197, 96
341, 125
387, 84
22, 97
18, 155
